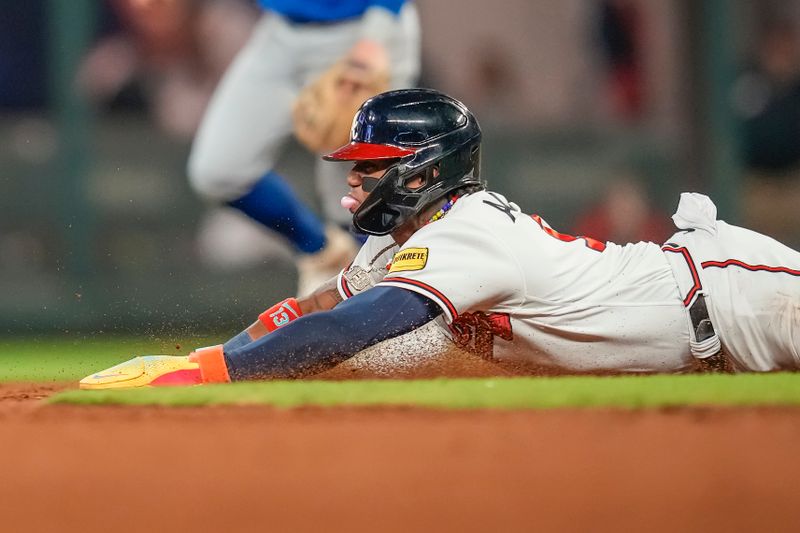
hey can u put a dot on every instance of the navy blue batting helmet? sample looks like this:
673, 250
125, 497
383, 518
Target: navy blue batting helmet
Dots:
424, 130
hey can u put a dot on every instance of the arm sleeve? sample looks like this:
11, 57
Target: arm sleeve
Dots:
320, 341
237, 341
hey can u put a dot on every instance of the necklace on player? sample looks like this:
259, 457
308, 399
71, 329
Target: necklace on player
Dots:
443, 211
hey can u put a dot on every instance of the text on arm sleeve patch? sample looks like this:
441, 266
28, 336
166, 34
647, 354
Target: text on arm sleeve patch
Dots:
409, 259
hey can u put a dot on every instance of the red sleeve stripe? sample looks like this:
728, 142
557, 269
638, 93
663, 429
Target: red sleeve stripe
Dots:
427, 288
695, 277
753, 268
343, 282
346, 288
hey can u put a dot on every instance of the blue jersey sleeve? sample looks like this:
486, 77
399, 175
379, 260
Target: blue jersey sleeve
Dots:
392, 5
317, 342
325, 10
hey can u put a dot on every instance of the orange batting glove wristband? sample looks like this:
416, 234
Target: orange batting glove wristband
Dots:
280, 314
211, 361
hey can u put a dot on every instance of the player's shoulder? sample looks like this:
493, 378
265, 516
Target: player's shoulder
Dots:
469, 224
482, 208
486, 200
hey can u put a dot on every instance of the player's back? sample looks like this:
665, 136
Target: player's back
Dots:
573, 302
567, 270
562, 269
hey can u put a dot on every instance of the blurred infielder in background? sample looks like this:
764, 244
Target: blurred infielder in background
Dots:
509, 287
341, 52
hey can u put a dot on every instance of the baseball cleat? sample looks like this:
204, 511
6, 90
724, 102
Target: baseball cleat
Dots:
146, 371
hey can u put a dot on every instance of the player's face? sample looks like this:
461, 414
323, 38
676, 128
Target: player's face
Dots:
362, 179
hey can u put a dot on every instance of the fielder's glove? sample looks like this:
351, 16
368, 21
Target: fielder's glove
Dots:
324, 109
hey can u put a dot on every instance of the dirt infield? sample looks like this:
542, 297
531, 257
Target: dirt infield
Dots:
260, 469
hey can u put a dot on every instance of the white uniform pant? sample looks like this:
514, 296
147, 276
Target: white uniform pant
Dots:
249, 117
751, 284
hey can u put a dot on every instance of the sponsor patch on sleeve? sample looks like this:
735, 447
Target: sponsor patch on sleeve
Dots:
409, 259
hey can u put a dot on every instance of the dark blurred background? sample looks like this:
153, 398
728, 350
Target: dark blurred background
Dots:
596, 114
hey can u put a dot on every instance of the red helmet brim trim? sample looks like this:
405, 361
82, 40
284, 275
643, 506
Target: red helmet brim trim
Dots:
358, 151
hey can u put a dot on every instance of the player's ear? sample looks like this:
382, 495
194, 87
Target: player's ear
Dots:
417, 181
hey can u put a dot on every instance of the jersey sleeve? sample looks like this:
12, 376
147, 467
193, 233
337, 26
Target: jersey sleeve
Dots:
461, 267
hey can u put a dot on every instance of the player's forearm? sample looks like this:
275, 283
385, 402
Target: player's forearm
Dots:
305, 347
323, 299
322, 340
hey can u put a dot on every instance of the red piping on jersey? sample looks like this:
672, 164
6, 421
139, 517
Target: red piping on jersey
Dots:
754, 268
695, 277
421, 285
592, 244
347, 292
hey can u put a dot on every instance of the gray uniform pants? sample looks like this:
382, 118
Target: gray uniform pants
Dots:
248, 119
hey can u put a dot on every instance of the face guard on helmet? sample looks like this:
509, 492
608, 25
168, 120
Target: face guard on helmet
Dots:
424, 130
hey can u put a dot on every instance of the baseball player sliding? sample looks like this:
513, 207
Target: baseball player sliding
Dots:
508, 287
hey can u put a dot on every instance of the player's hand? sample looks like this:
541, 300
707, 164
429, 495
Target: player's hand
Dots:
323, 111
363, 63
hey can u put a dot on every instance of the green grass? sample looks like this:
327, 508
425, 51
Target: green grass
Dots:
630, 392
70, 358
